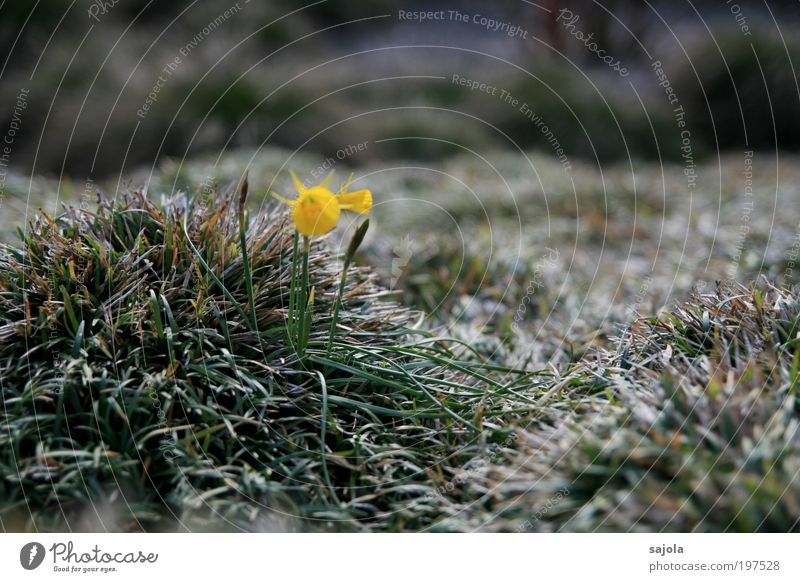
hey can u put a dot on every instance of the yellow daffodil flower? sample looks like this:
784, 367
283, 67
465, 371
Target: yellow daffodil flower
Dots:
315, 211
359, 201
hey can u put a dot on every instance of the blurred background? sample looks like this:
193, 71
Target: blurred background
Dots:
304, 75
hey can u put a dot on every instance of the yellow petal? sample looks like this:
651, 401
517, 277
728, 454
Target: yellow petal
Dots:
343, 187
359, 201
315, 212
327, 181
277, 196
297, 183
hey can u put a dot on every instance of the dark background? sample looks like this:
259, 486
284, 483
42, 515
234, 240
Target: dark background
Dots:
319, 76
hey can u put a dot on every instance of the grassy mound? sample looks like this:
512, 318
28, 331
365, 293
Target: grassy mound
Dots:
698, 430
137, 395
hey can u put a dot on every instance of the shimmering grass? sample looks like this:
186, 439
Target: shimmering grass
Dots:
151, 381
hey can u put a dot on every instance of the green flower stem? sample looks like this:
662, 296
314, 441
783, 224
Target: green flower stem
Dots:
290, 321
301, 304
337, 304
355, 242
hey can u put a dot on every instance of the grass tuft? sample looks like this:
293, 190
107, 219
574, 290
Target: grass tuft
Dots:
149, 381
696, 430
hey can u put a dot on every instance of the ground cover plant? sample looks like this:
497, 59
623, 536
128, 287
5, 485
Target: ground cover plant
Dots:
138, 395
150, 382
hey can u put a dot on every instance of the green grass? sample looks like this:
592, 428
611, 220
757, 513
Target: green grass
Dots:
140, 394
133, 378
698, 429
